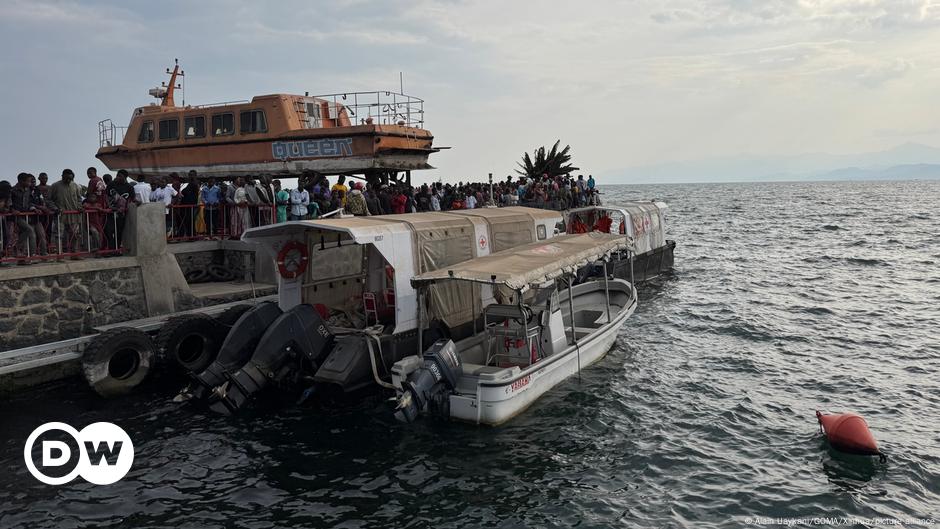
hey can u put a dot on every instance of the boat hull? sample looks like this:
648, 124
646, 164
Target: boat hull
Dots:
499, 401
649, 265
328, 151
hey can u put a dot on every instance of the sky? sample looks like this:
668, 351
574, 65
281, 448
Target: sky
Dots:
626, 84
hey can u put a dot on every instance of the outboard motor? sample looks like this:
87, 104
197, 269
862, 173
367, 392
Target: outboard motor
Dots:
429, 387
236, 349
298, 333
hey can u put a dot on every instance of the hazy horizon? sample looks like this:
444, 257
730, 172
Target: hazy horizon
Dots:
627, 86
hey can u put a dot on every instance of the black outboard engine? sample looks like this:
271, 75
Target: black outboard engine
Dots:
429, 387
298, 333
239, 344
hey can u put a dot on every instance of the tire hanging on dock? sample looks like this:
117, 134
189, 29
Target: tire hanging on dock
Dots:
191, 341
118, 360
220, 273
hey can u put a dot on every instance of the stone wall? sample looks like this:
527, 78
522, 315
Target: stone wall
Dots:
55, 307
235, 262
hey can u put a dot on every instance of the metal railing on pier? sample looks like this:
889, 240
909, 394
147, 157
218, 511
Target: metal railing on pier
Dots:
49, 235
199, 222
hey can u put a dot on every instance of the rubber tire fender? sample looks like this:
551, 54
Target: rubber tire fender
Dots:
191, 341
197, 276
118, 360
220, 273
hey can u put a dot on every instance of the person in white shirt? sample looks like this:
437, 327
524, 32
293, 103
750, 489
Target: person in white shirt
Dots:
142, 191
299, 200
471, 201
164, 193
436, 200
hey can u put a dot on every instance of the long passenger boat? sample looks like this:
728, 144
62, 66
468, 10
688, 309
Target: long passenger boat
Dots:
354, 133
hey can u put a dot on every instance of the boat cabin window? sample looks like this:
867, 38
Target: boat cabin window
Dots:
223, 124
169, 129
146, 132
195, 126
253, 121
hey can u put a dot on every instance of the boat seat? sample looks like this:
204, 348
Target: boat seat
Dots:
488, 372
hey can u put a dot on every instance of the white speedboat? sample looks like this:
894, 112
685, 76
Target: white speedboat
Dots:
537, 330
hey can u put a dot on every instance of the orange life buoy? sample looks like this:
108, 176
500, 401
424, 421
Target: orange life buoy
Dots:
292, 259
848, 432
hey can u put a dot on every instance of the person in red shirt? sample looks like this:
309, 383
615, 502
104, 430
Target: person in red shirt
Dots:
96, 201
603, 224
398, 201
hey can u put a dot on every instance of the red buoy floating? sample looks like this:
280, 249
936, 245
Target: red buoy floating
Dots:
848, 432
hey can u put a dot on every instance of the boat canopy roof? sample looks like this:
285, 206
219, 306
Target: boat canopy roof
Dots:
519, 267
364, 229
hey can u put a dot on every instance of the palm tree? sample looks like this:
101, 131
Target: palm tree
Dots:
552, 163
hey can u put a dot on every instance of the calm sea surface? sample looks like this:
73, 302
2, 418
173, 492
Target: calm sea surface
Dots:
787, 298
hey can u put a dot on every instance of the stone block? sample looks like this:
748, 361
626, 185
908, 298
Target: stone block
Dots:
34, 295
29, 326
77, 293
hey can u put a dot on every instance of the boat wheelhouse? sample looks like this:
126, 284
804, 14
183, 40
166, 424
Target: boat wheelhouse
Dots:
370, 134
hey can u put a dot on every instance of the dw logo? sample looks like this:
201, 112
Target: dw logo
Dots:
103, 453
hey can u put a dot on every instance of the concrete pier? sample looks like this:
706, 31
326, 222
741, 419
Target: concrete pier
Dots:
49, 302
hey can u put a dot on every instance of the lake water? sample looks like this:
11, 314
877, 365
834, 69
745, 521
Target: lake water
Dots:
786, 298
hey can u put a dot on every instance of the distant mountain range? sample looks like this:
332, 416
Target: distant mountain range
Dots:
904, 162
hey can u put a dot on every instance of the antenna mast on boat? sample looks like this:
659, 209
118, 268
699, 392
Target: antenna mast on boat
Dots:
167, 100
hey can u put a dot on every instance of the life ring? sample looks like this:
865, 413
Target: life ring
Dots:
191, 341
292, 259
117, 361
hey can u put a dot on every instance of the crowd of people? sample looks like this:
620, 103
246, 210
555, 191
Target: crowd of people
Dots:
65, 219
315, 196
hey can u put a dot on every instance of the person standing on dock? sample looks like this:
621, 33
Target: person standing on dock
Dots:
21, 200
210, 197
44, 186
372, 200
189, 197
340, 188
120, 194
299, 200
242, 217
282, 199
96, 202
356, 202
66, 195
142, 190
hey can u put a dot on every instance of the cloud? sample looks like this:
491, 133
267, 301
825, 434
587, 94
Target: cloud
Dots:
625, 83
878, 74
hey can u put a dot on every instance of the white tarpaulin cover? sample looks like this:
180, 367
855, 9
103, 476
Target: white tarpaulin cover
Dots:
519, 267
641, 220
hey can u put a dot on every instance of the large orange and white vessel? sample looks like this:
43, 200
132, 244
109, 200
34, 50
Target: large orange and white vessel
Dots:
356, 133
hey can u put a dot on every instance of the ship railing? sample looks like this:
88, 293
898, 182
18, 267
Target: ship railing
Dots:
52, 235
110, 134
384, 107
201, 222
221, 104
